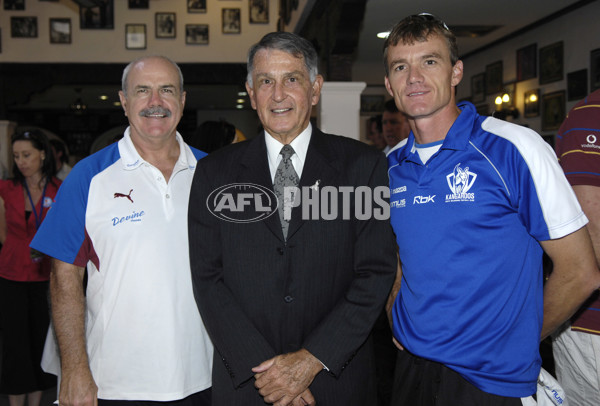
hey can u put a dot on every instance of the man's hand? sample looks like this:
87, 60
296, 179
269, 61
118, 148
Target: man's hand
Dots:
284, 379
77, 388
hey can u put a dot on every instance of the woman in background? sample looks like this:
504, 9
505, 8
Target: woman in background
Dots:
24, 273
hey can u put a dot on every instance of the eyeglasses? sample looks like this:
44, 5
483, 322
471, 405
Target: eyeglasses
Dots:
431, 17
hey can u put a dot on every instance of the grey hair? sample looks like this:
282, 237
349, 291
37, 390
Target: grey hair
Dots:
289, 43
143, 58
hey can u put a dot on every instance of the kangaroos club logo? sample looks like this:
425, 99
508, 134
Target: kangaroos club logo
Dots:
242, 202
460, 182
127, 196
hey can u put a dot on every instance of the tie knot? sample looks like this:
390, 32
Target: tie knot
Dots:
287, 151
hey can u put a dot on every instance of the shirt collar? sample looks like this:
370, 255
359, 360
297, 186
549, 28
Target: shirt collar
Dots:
132, 159
457, 138
300, 145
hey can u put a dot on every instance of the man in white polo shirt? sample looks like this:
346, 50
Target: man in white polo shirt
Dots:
136, 334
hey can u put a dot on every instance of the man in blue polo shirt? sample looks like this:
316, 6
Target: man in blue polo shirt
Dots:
474, 200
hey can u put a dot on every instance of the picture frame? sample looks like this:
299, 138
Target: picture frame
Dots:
371, 103
259, 11
0, 40
531, 103
14, 4
135, 36
23, 27
551, 63
60, 30
478, 88
577, 84
97, 17
231, 21
493, 78
165, 25
196, 34
553, 110
595, 69
196, 6
138, 4
527, 62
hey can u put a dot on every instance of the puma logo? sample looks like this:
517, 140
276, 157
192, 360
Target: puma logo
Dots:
128, 196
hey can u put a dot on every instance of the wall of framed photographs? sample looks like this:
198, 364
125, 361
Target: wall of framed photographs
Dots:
115, 30
557, 63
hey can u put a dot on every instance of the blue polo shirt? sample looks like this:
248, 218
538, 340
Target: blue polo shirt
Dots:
468, 224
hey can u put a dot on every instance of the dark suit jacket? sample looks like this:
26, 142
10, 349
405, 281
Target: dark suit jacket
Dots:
322, 290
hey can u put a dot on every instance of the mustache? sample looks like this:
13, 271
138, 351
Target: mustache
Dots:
155, 110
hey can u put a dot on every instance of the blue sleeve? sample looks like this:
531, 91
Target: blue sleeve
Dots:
62, 234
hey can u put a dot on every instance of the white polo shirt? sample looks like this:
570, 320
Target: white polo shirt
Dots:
116, 215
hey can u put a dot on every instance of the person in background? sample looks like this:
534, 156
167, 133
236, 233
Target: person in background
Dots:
475, 202
212, 135
289, 303
576, 346
135, 335
394, 124
24, 315
375, 132
61, 157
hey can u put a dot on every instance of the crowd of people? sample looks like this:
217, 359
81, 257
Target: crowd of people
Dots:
171, 282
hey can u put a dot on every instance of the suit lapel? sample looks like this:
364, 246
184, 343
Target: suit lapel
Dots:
255, 169
320, 169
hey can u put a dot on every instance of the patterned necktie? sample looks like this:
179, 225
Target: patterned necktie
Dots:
285, 176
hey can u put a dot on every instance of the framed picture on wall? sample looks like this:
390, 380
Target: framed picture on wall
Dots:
527, 62
372, 103
577, 84
551, 63
165, 24
259, 11
141, 4
595, 69
478, 88
23, 27
99, 16
135, 36
553, 110
493, 78
14, 4
531, 103
231, 20
196, 34
60, 30
196, 6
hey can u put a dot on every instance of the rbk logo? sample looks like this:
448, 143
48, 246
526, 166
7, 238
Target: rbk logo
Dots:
127, 196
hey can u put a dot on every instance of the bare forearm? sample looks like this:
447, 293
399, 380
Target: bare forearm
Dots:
574, 277
68, 313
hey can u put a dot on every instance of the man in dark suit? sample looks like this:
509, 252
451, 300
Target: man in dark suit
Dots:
289, 305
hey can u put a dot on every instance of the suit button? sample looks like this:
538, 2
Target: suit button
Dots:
280, 250
288, 299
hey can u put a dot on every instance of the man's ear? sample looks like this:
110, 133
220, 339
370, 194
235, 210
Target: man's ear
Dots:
123, 100
250, 91
457, 73
316, 87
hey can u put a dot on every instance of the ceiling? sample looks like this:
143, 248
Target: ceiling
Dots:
509, 16
360, 45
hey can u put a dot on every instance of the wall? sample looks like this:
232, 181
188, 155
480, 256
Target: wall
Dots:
108, 45
580, 33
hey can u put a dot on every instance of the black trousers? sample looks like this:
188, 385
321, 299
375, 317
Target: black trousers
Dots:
420, 382
197, 399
